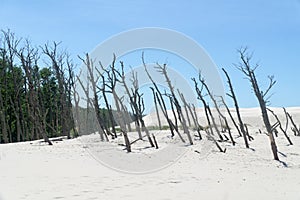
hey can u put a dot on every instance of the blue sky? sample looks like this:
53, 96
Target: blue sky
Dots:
271, 29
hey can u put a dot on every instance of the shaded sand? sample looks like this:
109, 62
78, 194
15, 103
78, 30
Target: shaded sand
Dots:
68, 170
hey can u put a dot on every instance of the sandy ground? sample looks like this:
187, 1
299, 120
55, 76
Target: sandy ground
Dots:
70, 170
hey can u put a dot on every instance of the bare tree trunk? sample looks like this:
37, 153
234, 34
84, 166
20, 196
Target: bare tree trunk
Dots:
63, 70
12, 47
76, 98
3, 121
108, 106
121, 122
156, 109
93, 80
209, 130
231, 117
165, 113
195, 118
29, 58
97, 111
250, 138
174, 113
249, 72
155, 142
218, 110
111, 84
18, 123
162, 104
296, 130
163, 70
188, 109
280, 126
232, 95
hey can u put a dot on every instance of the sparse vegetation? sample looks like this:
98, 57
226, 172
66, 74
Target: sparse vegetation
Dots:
36, 101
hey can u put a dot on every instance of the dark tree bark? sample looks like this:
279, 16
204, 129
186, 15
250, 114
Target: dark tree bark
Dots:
173, 111
209, 130
93, 80
3, 121
231, 117
163, 71
108, 106
280, 126
249, 71
57, 60
111, 84
236, 105
136, 102
162, 104
29, 58
208, 108
217, 108
193, 115
295, 128
156, 108
12, 45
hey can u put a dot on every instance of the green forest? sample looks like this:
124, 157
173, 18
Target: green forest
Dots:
35, 90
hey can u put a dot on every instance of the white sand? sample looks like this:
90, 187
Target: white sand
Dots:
67, 170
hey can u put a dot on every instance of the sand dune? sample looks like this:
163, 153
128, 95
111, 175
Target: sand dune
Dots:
74, 169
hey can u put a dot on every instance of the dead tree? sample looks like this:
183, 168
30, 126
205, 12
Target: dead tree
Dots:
295, 128
209, 131
186, 107
132, 99
287, 120
205, 105
141, 109
250, 138
163, 70
217, 108
236, 105
108, 106
231, 117
156, 109
173, 110
137, 103
162, 104
76, 99
94, 80
57, 64
10, 48
3, 118
195, 117
29, 58
202, 81
249, 71
193, 114
111, 83
280, 126
155, 142
70, 84
3, 122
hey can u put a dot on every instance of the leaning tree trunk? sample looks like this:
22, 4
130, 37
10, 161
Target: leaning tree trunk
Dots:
163, 71
232, 95
249, 71
230, 115
156, 109
121, 121
280, 126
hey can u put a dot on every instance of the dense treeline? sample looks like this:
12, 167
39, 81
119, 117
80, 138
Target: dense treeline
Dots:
35, 90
